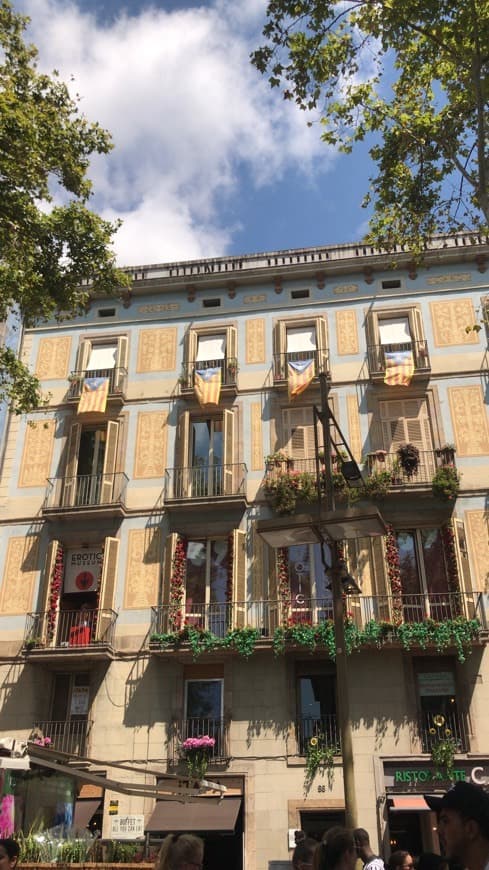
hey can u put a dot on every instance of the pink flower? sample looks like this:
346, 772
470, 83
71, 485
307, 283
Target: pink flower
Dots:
196, 743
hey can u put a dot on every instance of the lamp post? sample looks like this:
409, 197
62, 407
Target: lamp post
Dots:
333, 526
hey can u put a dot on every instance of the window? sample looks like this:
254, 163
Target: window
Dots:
210, 347
299, 340
204, 711
68, 727
399, 329
90, 471
316, 706
310, 595
439, 713
206, 584
106, 357
424, 576
205, 458
407, 422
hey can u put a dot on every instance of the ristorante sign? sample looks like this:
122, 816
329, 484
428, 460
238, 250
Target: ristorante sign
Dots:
415, 777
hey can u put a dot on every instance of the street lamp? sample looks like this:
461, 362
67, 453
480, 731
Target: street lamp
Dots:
332, 526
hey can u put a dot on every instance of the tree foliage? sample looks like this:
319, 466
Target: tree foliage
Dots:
414, 77
52, 245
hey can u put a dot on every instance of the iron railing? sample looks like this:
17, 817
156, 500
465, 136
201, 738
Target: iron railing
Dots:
428, 462
444, 725
67, 736
376, 356
319, 357
85, 490
69, 629
206, 481
227, 365
266, 616
117, 378
218, 728
323, 728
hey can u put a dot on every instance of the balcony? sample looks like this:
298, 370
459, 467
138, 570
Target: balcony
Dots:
117, 382
362, 610
69, 634
429, 461
324, 729
101, 494
376, 357
227, 365
204, 483
281, 360
70, 736
434, 727
200, 727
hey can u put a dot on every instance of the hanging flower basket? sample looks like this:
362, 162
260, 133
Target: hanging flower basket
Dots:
408, 455
196, 751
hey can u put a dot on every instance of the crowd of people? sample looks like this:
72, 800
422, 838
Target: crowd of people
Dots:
463, 830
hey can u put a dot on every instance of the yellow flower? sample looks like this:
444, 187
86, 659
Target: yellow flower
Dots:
439, 720
432, 730
313, 741
447, 732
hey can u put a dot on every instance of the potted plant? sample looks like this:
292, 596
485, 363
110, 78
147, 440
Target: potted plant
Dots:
446, 453
408, 455
446, 483
276, 459
196, 751
396, 473
377, 485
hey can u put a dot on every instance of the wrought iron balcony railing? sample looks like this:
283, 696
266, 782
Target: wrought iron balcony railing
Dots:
324, 729
206, 481
444, 725
266, 616
218, 728
67, 736
376, 356
320, 362
85, 490
70, 629
227, 365
117, 378
429, 462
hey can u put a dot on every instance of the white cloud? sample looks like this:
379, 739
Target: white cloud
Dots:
191, 119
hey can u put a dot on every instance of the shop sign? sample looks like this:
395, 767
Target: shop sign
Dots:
82, 569
436, 683
79, 701
127, 827
400, 778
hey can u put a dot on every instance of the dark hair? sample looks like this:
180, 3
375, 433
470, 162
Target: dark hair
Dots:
361, 837
304, 851
11, 847
335, 843
397, 859
178, 848
431, 861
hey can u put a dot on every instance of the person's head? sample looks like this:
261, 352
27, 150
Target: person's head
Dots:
362, 842
337, 850
180, 852
463, 820
431, 861
9, 853
303, 854
299, 836
400, 860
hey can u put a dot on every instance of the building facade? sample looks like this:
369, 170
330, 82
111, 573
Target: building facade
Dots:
139, 605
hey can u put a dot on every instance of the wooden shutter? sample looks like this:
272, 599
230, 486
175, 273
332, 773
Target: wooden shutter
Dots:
279, 349
416, 324
273, 618
71, 465
322, 344
231, 343
190, 349
229, 471
83, 355
239, 578
168, 557
44, 594
121, 358
407, 421
110, 456
381, 592
463, 566
298, 430
357, 552
108, 582
181, 473
257, 565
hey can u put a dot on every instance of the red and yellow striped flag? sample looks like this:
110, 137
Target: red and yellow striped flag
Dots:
301, 373
399, 368
207, 385
93, 396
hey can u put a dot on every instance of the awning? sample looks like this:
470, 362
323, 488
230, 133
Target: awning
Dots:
15, 763
409, 803
84, 810
206, 815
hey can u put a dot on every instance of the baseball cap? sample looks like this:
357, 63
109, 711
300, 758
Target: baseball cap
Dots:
470, 800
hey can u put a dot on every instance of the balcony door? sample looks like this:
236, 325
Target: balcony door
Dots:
316, 700
206, 585
424, 579
69, 713
407, 421
311, 597
206, 458
204, 711
90, 464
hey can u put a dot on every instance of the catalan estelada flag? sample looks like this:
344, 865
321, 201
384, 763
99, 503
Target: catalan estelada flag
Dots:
301, 373
207, 385
93, 396
399, 368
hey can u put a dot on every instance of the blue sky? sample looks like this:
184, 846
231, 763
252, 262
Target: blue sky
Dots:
207, 159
